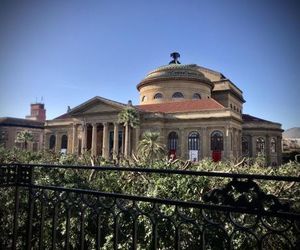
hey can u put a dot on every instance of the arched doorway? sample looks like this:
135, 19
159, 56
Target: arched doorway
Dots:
193, 146
173, 143
64, 144
217, 145
52, 142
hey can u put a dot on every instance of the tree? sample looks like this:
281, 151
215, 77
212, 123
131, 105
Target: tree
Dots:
150, 148
24, 137
129, 117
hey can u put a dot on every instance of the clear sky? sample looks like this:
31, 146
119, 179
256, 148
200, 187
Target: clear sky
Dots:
70, 51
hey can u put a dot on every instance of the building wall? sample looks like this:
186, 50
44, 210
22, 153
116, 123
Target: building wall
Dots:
168, 88
230, 129
253, 135
8, 135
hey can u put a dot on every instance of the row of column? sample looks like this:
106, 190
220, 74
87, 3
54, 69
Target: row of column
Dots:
105, 139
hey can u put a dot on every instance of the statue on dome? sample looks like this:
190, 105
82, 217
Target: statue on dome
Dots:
175, 56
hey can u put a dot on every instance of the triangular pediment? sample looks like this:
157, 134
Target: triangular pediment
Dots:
97, 105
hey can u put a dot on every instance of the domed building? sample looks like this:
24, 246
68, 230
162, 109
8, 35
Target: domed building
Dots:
197, 111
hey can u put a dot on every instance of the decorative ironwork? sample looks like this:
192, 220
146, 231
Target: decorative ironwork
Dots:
246, 194
237, 216
7, 174
15, 174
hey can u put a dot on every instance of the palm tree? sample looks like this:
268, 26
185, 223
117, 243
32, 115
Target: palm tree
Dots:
129, 117
24, 137
150, 148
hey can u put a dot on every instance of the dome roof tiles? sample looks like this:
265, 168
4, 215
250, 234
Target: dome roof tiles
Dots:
188, 72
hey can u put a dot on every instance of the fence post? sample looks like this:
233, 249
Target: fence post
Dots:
30, 208
16, 210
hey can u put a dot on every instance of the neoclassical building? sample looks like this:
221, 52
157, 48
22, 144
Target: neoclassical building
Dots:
197, 111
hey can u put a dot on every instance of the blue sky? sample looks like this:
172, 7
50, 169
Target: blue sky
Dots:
70, 51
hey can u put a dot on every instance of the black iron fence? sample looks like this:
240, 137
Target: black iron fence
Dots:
39, 212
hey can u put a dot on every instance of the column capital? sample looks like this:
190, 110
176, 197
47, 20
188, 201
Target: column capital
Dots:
94, 124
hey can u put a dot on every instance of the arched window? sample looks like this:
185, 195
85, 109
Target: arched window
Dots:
273, 145
177, 95
216, 140
260, 145
64, 142
158, 96
196, 96
245, 146
172, 141
193, 141
144, 98
52, 142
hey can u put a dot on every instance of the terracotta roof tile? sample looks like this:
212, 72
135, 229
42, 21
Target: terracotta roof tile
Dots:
182, 106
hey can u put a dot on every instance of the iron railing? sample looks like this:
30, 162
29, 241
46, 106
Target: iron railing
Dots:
39, 213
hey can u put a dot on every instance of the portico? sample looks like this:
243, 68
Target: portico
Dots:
100, 138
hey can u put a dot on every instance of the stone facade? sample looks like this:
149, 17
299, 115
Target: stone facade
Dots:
197, 111
10, 127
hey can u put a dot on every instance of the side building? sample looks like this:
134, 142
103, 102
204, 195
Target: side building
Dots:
10, 127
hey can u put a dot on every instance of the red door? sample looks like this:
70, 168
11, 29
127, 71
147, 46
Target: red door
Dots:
216, 155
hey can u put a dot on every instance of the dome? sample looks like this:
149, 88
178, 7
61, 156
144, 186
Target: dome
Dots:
175, 82
188, 72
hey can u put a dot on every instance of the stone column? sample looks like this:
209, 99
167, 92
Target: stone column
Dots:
123, 140
94, 139
126, 144
57, 142
105, 147
74, 139
116, 141
83, 138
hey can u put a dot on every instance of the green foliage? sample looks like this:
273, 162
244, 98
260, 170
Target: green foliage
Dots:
150, 149
24, 137
129, 116
177, 187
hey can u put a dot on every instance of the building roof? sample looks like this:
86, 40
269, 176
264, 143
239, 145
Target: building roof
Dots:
19, 122
182, 106
91, 101
250, 118
63, 116
188, 72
